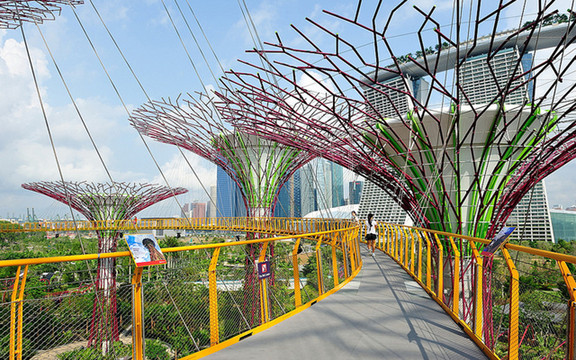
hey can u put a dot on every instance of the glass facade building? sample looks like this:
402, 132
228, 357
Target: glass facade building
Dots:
564, 224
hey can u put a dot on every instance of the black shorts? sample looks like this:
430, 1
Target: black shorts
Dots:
371, 237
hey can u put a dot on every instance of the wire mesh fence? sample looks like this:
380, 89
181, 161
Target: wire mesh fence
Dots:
202, 296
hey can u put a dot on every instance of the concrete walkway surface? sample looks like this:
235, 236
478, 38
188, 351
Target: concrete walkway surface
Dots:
381, 314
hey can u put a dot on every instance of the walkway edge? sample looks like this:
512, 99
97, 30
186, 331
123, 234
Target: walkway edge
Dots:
448, 311
258, 329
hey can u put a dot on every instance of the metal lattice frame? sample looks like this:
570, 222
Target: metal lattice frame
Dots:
14, 12
100, 202
461, 166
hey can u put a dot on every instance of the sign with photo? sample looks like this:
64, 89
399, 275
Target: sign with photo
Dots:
145, 250
499, 240
263, 270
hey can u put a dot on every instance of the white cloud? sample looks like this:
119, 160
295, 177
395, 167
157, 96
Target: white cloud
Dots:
192, 175
26, 152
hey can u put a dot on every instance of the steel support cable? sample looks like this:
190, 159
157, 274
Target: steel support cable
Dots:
119, 97
48, 129
205, 37
148, 97
195, 41
123, 104
197, 74
251, 27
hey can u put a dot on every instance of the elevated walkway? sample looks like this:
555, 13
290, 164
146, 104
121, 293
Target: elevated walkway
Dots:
381, 314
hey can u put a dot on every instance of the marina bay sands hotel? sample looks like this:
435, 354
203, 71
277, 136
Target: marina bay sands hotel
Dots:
480, 82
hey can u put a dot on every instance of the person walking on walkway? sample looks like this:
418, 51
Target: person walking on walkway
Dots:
371, 233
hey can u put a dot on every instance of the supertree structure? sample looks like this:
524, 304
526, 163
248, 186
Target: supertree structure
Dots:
14, 12
101, 202
464, 127
462, 155
258, 166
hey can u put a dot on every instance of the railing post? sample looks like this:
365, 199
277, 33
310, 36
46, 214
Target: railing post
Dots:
263, 288
428, 262
419, 255
16, 314
411, 251
297, 294
213, 296
440, 282
455, 279
478, 303
345, 254
514, 307
571, 285
319, 268
334, 261
137, 315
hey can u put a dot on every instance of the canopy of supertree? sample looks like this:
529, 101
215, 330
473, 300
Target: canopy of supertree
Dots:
13, 13
457, 133
105, 201
258, 166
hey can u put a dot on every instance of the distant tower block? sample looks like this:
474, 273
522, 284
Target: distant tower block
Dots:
101, 202
14, 12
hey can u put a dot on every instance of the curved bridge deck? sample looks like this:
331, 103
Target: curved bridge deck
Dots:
381, 314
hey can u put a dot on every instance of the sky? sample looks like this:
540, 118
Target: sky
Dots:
88, 90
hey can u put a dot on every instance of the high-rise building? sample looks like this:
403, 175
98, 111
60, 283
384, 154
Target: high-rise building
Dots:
288, 203
375, 200
531, 217
337, 185
228, 196
391, 103
354, 191
483, 83
282, 207
321, 186
211, 207
307, 186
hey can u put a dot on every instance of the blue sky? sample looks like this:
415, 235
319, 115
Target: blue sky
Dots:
145, 35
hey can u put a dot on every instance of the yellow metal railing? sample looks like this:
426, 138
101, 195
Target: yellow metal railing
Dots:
494, 299
284, 225
195, 304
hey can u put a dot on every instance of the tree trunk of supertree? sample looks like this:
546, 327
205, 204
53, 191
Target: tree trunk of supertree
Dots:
104, 325
251, 303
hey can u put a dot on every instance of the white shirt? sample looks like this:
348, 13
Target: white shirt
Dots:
371, 229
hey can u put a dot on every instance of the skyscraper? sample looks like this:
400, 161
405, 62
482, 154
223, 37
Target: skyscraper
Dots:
211, 207
337, 185
228, 196
355, 191
288, 204
531, 217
